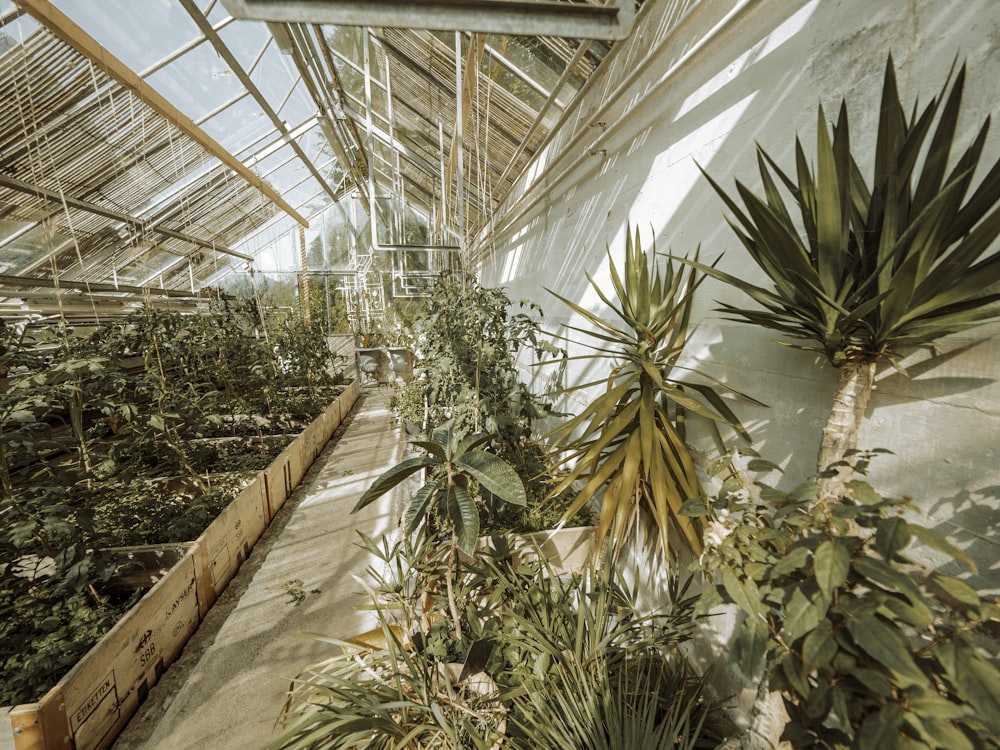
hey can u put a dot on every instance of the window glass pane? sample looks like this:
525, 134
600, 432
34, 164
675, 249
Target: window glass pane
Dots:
155, 29
197, 82
239, 124
245, 39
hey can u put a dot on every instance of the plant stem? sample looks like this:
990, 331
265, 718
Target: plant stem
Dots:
840, 433
452, 571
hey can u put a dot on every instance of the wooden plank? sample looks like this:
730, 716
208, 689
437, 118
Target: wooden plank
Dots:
142, 566
42, 725
333, 415
230, 537
314, 439
105, 688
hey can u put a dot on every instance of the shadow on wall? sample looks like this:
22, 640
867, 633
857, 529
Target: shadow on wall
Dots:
967, 519
729, 75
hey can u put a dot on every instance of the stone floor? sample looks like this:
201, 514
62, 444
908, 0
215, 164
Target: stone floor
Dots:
227, 688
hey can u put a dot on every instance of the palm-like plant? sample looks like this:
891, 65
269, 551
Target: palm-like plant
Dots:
902, 262
630, 439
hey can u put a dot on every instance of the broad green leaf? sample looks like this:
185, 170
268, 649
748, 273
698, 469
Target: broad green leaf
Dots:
887, 577
881, 729
694, 506
972, 677
753, 637
892, 536
792, 672
937, 542
495, 474
464, 515
957, 589
422, 499
872, 680
744, 593
802, 614
938, 732
795, 560
832, 563
887, 646
818, 647
927, 703
389, 479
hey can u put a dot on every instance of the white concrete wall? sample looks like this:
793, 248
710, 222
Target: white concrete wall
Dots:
700, 82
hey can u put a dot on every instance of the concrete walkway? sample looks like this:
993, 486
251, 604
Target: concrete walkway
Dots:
227, 688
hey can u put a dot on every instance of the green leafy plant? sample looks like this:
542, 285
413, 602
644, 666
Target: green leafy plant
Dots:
872, 266
84, 421
867, 648
457, 470
543, 662
629, 440
469, 339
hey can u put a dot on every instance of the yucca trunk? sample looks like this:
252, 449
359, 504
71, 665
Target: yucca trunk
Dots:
840, 434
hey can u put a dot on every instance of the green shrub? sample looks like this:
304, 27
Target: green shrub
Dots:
868, 648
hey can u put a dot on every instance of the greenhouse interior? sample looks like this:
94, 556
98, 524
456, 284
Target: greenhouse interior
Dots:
540, 374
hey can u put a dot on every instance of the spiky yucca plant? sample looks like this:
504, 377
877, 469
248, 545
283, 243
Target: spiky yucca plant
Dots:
871, 267
629, 440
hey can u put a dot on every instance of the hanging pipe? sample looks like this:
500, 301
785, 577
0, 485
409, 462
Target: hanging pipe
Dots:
373, 223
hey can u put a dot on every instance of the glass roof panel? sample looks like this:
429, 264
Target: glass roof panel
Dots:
9, 228
152, 29
216, 12
274, 76
197, 82
245, 40
146, 268
299, 106
14, 32
30, 247
239, 124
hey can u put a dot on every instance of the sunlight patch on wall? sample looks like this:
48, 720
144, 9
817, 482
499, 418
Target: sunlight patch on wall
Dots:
773, 41
676, 166
511, 263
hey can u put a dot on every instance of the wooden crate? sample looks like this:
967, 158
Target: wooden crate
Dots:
89, 707
227, 542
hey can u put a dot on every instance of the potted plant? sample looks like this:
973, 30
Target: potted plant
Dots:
456, 472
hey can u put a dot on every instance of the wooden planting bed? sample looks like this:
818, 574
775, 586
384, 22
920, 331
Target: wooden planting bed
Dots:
88, 708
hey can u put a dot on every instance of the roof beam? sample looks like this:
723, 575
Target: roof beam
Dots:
28, 282
108, 213
60, 24
226, 54
518, 17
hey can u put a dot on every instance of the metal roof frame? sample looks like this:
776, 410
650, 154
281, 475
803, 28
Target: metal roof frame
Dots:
582, 20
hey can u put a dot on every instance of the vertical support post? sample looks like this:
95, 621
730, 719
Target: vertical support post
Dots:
304, 277
459, 142
43, 725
